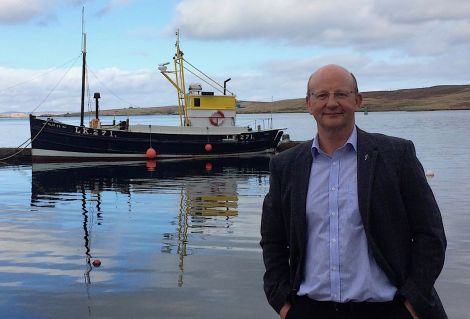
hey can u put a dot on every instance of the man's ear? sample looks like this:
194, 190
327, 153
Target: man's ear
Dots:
307, 104
358, 101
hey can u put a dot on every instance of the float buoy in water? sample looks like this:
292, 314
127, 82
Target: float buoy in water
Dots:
429, 173
208, 147
151, 153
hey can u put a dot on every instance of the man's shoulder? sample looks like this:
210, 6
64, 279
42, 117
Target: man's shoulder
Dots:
383, 140
294, 152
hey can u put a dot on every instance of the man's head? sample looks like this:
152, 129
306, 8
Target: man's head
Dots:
332, 98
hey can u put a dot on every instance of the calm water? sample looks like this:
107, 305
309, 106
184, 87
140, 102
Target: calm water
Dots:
180, 239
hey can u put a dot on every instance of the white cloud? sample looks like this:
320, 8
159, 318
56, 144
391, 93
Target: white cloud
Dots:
19, 11
24, 11
24, 90
423, 10
416, 27
113, 5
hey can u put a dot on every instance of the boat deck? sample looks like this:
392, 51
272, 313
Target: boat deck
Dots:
141, 128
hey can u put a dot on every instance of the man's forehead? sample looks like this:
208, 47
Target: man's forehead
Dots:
334, 76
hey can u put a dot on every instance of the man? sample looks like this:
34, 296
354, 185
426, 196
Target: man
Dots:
350, 227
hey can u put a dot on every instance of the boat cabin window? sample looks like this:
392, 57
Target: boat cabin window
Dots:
197, 102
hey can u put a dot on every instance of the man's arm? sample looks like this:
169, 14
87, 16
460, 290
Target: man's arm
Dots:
428, 242
275, 243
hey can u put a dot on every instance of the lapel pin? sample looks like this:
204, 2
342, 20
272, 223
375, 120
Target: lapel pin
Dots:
366, 157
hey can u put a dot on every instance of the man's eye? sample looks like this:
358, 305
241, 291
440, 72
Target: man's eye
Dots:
341, 95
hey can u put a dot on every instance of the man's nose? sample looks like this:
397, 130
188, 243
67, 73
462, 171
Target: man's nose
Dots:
331, 101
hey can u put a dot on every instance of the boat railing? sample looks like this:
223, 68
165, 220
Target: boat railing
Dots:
260, 124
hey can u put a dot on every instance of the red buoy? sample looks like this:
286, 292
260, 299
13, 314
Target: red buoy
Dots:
208, 147
96, 263
208, 166
151, 153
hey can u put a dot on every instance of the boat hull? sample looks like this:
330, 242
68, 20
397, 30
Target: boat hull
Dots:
53, 141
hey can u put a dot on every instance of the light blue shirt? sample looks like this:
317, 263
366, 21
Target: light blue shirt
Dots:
339, 266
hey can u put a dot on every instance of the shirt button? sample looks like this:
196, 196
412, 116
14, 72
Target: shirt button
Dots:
333, 188
333, 240
334, 163
333, 213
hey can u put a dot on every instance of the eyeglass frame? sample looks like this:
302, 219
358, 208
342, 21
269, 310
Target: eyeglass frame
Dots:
335, 95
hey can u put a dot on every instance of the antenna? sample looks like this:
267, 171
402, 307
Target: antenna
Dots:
82, 100
83, 31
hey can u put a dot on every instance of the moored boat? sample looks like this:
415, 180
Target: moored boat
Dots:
207, 128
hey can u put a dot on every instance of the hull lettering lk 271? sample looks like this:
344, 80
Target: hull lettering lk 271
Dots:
91, 131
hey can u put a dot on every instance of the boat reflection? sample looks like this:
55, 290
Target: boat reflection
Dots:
207, 191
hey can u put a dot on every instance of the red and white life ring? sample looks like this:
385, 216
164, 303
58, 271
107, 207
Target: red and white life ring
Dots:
217, 118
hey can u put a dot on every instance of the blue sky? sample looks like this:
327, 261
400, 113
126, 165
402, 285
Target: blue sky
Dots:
267, 47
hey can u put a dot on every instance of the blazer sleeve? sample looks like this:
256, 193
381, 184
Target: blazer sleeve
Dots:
274, 242
428, 242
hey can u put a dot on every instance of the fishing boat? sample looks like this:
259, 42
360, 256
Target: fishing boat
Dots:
207, 127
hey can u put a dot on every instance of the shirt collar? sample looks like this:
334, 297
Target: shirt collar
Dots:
352, 140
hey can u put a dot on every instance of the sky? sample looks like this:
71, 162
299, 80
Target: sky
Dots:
267, 47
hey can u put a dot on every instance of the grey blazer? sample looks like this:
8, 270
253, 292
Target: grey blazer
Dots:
401, 219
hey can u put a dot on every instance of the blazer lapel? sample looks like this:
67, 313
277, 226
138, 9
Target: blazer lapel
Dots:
366, 160
302, 167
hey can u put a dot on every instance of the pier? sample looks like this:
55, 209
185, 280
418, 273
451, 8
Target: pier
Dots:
15, 156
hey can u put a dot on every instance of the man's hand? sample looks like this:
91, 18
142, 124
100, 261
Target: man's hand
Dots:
284, 310
410, 308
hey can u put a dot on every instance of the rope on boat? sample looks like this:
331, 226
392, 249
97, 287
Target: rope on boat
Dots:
208, 77
109, 90
29, 141
40, 75
55, 86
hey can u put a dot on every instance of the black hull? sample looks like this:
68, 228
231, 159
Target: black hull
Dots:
54, 141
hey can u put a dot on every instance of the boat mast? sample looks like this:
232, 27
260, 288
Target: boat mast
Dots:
82, 105
178, 83
179, 72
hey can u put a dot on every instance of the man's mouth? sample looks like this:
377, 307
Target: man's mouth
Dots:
332, 114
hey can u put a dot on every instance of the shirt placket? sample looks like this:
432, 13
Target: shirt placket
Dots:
333, 205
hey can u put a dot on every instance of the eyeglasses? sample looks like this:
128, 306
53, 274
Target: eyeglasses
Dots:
325, 95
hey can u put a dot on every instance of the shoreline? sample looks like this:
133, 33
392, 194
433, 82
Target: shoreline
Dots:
124, 112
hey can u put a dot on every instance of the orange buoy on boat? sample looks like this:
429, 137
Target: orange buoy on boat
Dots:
208, 147
151, 153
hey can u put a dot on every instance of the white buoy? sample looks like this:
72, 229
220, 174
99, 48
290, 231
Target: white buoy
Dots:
429, 173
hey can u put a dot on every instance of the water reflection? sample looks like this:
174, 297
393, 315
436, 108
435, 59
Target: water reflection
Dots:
206, 195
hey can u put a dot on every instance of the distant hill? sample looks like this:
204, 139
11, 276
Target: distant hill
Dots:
442, 97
